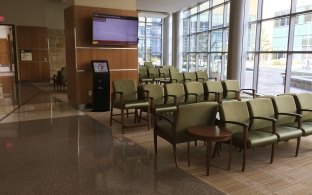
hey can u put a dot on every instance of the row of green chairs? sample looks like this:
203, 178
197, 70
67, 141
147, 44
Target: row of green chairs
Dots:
254, 123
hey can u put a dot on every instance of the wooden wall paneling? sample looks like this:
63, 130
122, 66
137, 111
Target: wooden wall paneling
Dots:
34, 39
4, 52
117, 59
84, 81
70, 55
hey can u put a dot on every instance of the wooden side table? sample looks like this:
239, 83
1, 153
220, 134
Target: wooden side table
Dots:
209, 133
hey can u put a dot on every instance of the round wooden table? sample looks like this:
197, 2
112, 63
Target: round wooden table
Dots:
210, 133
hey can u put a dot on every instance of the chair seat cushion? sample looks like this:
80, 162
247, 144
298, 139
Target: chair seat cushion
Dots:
132, 104
285, 132
165, 108
255, 138
307, 128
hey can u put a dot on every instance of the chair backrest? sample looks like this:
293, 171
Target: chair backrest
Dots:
173, 70
260, 107
195, 88
143, 72
229, 85
234, 111
215, 87
304, 101
285, 104
189, 76
164, 72
201, 76
128, 87
148, 65
176, 77
176, 89
156, 92
153, 72
190, 115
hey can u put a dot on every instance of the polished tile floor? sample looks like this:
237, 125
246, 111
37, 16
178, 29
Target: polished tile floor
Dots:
49, 147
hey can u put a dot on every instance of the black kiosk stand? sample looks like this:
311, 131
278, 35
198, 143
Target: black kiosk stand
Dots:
101, 85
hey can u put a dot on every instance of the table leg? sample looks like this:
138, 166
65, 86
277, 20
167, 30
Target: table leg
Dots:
208, 155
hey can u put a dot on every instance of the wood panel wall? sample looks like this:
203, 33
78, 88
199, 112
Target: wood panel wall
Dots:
80, 52
4, 52
35, 40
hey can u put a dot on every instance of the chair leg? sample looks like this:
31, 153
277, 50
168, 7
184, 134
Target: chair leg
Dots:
244, 158
122, 120
298, 145
155, 141
272, 153
148, 118
111, 115
174, 153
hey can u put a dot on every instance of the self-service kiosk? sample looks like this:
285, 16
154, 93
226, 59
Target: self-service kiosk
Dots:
101, 85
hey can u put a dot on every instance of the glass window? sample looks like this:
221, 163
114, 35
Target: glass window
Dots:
203, 21
192, 62
193, 43
253, 10
217, 17
303, 36
303, 5
216, 40
275, 8
215, 65
204, 6
193, 10
301, 73
203, 42
217, 2
272, 38
249, 71
251, 37
150, 40
202, 61
193, 27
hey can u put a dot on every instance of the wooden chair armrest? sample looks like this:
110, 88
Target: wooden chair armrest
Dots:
194, 94
174, 98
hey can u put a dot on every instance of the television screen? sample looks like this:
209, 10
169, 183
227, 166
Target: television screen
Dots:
100, 66
114, 30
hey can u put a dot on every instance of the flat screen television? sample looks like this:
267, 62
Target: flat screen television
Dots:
114, 30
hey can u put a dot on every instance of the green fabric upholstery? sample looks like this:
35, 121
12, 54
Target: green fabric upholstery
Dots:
177, 90
156, 92
173, 70
189, 76
189, 115
154, 74
201, 76
176, 77
194, 88
306, 128
235, 116
125, 97
262, 107
148, 65
304, 101
228, 86
285, 104
164, 73
214, 87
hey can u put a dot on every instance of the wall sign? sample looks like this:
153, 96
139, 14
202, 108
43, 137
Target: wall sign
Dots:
26, 55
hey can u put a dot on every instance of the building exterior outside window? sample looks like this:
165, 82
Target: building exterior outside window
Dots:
279, 46
205, 38
150, 47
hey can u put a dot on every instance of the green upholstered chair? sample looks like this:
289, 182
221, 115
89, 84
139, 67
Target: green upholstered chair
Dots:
213, 90
125, 97
235, 116
194, 92
304, 107
232, 90
143, 75
173, 70
262, 114
176, 77
189, 76
164, 74
189, 115
175, 93
156, 94
154, 74
149, 65
202, 76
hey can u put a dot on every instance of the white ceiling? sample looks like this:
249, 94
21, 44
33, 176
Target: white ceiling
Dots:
168, 6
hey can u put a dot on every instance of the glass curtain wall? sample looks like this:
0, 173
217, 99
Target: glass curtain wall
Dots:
150, 47
279, 46
205, 38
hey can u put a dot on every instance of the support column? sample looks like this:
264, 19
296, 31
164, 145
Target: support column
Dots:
237, 41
